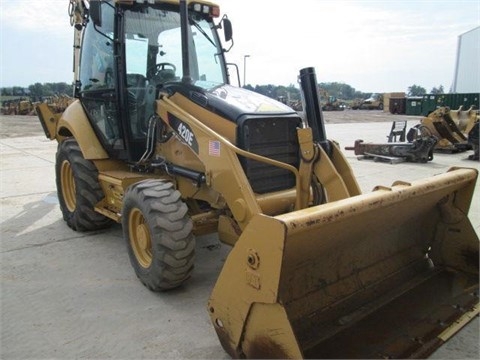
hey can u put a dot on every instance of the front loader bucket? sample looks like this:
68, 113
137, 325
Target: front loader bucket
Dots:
390, 274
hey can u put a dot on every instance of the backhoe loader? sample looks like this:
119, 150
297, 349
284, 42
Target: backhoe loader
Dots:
158, 141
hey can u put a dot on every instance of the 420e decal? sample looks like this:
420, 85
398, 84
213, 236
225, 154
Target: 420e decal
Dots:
184, 131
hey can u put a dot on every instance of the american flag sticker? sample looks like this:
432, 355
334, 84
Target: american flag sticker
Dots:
213, 148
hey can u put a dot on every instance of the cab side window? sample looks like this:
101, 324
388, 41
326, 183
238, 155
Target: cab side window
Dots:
97, 80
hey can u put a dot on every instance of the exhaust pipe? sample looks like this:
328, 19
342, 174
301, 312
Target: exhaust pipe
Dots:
311, 106
184, 32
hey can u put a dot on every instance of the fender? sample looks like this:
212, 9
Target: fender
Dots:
74, 122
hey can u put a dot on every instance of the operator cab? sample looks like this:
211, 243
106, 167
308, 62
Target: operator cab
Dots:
132, 51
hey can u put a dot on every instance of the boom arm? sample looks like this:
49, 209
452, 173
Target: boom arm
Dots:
78, 12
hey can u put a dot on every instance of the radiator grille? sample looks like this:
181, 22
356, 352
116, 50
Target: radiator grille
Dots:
275, 138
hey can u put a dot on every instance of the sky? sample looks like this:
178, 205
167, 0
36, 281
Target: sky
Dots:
373, 46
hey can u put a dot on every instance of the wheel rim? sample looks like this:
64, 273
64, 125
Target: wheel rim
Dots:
140, 239
68, 186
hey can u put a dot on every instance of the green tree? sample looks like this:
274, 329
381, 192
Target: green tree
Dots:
438, 90
61, 88
416, 90
267, 90
36, 90
6, 92
17, 91
338, 90
293, 92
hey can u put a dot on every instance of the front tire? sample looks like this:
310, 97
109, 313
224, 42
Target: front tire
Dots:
158, 232
78, 188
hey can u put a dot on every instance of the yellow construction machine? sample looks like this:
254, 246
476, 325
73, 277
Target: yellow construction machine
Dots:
450, 127
374, 102
17, 107
329, 102
158, 141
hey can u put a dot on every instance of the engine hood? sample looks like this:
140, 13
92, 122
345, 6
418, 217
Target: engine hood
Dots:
234, 103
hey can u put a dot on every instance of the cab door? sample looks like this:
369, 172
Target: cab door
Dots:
97, 83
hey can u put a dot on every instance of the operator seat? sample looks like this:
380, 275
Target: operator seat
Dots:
166, 75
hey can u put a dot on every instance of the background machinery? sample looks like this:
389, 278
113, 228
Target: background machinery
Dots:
450, 127
158, 141
329, 102
374, 102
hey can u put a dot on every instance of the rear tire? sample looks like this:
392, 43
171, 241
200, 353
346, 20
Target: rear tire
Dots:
158, 232
78, 188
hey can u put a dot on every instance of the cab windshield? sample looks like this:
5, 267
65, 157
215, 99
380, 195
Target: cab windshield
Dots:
154, 50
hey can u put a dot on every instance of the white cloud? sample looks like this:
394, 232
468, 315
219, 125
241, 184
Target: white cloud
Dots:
379, 45
36, 15
36, 42
371, 45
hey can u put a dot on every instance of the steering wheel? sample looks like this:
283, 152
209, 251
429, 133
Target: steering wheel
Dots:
162, 72
163, 66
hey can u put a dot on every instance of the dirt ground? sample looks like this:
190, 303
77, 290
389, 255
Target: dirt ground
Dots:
12, 126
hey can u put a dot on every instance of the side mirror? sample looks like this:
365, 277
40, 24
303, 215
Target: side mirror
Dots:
227, 29
95, 12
